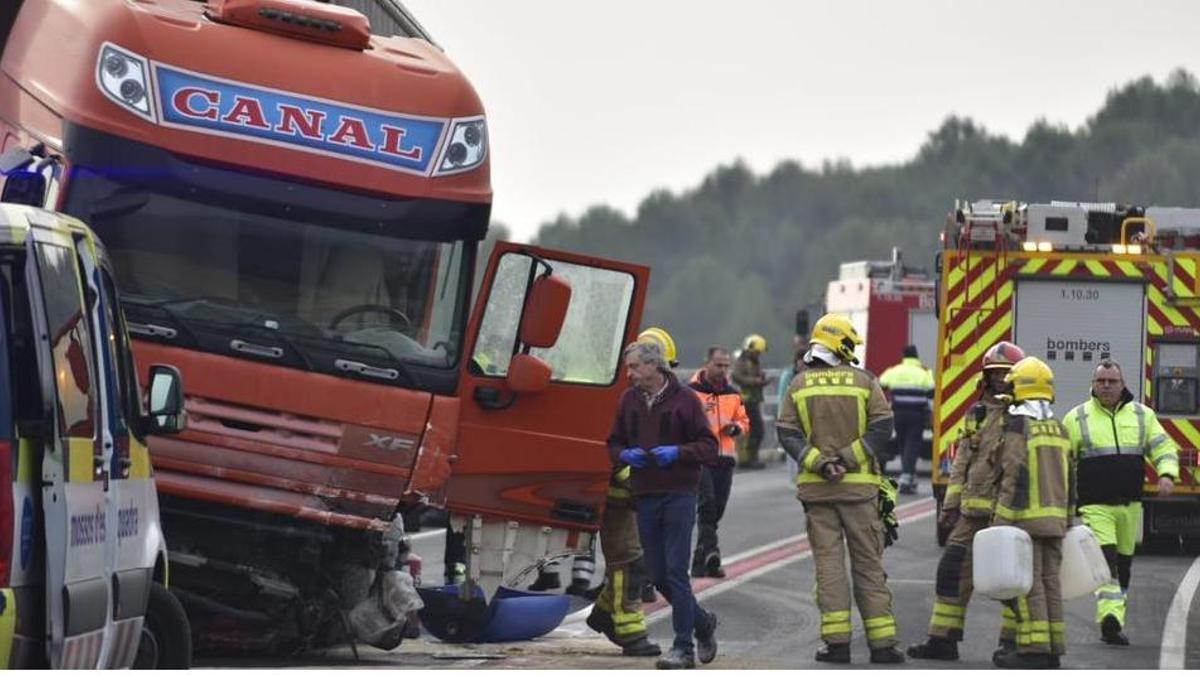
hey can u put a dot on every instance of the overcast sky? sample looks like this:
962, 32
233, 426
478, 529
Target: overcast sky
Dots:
603, 102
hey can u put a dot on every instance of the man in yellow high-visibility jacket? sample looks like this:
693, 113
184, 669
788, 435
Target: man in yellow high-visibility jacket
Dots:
1112, 436
911, 387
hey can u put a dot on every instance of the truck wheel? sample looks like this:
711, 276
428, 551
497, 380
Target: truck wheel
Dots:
166, 635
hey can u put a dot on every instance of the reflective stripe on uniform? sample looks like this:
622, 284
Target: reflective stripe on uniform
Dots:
625, 623
982, 503
810, 459
947, 615
800, 396
1008, 623
1030, 513
1034, 633
1035, 445
880, 627
859, 477
1089, 451
1165, 458
835, 623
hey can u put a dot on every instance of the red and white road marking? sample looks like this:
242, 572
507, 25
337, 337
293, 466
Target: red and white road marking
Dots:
756, 562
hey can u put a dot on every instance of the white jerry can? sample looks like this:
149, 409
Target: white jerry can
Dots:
1084, 568
1003, 562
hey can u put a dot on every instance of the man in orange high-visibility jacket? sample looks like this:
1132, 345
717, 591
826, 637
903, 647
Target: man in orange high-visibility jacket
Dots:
728, 419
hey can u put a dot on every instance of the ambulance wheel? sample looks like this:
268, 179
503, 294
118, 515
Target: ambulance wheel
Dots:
166, 635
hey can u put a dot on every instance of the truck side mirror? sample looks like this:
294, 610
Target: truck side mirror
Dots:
527, 374
167, 415
545, 310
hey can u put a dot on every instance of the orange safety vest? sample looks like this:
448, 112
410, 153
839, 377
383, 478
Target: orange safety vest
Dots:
722, 406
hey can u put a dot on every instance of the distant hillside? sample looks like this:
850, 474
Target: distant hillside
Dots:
741, 252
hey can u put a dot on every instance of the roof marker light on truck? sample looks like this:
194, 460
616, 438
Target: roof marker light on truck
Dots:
1029, 246
466, 147
124, 77
1045, 246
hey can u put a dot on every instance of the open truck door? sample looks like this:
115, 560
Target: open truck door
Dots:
531, 468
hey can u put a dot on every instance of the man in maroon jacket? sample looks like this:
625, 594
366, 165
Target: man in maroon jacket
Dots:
661, 432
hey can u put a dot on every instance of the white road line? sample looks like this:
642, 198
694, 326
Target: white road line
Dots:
719, 588
1174, 638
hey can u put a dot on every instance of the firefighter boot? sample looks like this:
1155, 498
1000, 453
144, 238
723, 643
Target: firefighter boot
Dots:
640, 647
1004, 647
935, 649
1111, 633
834, 653
886, 655
602, 622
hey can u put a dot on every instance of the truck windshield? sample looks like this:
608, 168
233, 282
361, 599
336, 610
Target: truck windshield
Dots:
280, 284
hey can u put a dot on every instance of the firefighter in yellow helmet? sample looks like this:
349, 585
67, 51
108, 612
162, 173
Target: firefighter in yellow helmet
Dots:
1034, 495
967, 508
823, 427
749, 376
1113, 437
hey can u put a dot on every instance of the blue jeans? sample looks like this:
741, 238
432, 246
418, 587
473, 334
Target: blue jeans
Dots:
665, 524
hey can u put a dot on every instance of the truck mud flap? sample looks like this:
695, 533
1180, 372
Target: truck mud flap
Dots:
511, 616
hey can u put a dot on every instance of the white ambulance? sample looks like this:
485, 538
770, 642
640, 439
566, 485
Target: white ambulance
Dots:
83, 563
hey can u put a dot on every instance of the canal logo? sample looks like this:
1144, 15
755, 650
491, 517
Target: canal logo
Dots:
227, 108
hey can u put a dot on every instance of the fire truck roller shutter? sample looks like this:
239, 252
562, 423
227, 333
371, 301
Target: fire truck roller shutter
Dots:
1072, 324
922, 332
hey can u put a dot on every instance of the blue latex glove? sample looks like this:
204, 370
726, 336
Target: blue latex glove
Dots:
665, 455
635, 457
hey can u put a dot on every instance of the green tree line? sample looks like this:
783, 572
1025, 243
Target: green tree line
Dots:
741, 252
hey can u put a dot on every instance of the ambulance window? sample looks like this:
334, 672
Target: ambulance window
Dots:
118, 354
28, 406
70, 341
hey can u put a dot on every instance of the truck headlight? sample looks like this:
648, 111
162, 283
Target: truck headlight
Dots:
465, 149
124, 77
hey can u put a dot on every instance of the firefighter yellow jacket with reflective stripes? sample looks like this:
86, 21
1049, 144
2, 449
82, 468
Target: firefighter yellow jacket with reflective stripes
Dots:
1035, 470
1111, 449
843, 417
972, 487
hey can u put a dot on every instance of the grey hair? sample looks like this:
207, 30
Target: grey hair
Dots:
647, 352
1109, 364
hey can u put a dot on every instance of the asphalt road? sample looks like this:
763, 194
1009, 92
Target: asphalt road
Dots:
769, 617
